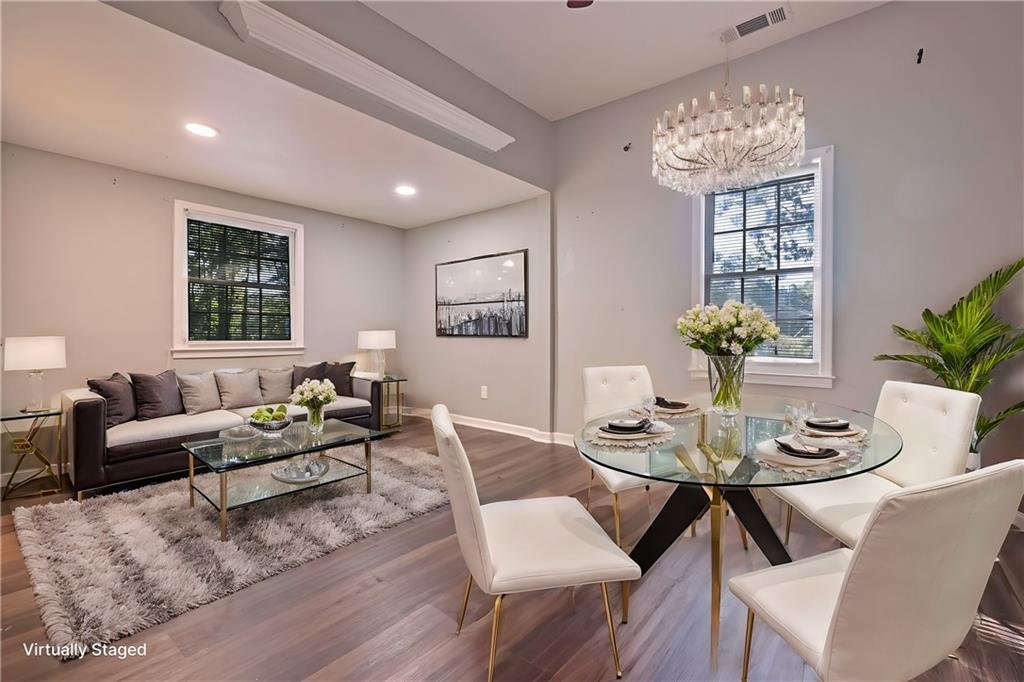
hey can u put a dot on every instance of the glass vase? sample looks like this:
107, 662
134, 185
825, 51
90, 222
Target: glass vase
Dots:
315, 419
725, 376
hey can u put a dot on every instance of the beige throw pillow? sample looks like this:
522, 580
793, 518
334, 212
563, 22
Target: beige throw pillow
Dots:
275, 385
199, 392
239, 389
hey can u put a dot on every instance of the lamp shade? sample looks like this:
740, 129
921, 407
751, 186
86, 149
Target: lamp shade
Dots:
378, 339
34, 352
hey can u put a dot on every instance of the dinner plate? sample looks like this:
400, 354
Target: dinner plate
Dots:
768, 451
852, 432
827, 423
612, 435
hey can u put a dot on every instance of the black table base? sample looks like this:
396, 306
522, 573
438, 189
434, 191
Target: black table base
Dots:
689, 503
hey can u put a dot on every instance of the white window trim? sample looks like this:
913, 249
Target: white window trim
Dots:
181, 346
781, 371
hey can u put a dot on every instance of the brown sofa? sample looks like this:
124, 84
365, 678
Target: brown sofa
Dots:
99, 457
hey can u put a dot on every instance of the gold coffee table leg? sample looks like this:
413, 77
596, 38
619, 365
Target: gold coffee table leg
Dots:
191, 481
369, 476
223, 507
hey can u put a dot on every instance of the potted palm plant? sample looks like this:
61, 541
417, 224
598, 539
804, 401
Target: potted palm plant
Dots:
963, 346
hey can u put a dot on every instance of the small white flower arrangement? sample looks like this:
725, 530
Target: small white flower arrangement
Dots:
734, 329
313, 394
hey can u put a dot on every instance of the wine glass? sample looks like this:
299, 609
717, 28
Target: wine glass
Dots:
648, 407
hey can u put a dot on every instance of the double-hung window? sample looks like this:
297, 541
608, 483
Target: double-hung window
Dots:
770, 246
238, 284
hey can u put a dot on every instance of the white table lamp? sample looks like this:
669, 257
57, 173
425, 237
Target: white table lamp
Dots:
34, 354
377, 340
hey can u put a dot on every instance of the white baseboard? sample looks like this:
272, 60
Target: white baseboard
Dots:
501, 427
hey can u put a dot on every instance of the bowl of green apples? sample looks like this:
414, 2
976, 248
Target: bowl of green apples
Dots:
272, 421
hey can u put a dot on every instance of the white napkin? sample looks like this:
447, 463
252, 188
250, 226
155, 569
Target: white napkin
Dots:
660, 427
768, 451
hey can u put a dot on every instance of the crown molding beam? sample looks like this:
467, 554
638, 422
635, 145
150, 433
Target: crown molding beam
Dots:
256, 22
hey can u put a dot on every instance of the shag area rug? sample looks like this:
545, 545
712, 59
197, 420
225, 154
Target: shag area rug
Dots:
117, 564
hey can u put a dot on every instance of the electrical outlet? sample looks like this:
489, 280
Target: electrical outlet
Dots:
483, 393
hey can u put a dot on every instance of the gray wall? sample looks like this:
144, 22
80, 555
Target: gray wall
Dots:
517, 372
87, 254
361, 29
928, 191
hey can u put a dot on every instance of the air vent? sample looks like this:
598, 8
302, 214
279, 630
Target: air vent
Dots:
747, 27
776, 15
751, 25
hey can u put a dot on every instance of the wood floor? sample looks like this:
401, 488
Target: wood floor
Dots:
385, 607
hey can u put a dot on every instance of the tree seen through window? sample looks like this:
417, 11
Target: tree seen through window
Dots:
761, 251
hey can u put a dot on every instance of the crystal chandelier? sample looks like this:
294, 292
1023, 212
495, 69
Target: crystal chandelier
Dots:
721, 147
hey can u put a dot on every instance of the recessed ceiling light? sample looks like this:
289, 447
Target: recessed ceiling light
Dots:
405, 190
201, 130
509, 263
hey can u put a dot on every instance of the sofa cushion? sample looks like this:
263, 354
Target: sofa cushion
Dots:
199, 392
238, 389
341, 408
180, 426
153, 450
300, 373
120, 397
275, 385
347, 406
340, 374
157, 396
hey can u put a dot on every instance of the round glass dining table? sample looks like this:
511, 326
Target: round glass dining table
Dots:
715, 460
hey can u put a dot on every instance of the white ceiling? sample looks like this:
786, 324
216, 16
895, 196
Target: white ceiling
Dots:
90, 81
559, 61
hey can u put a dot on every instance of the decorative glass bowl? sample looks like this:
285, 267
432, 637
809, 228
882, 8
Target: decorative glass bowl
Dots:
242, 432
302, 470
272, 429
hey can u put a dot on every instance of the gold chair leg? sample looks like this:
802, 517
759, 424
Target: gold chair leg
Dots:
495, 627
589, 486
789, 522
611, 631
743, 533
618, 522
465, 603
746, 644
625, 602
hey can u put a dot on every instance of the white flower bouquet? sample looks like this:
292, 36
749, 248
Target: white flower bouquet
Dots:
314, 394
734, 329
726, 335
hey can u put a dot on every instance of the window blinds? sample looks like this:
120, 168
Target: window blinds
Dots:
759, 249
238, 284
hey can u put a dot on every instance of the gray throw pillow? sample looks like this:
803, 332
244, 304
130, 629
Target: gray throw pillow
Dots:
199, 392
120, 397
340, 374
239, 389
300, 373
275, 385
157, 396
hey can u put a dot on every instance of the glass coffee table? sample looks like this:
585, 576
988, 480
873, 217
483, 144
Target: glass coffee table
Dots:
231, 454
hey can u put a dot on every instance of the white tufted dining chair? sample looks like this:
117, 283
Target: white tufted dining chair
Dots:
525, 545
936, 425
906, 595
607, 390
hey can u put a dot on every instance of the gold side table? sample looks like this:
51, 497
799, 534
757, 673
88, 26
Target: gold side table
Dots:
23, 444
391, 402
